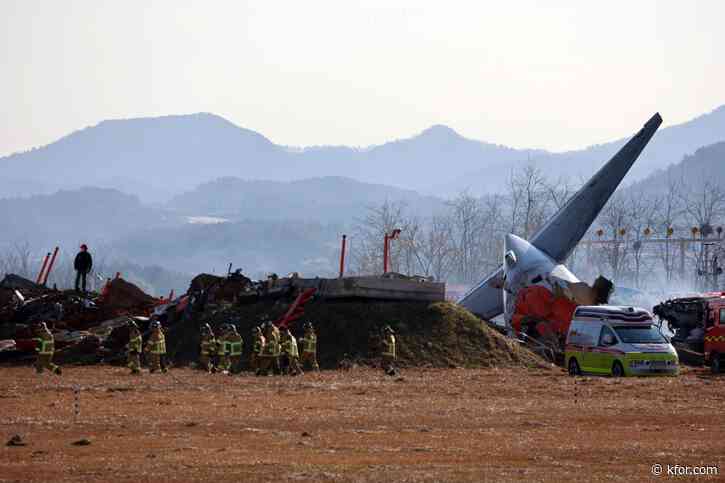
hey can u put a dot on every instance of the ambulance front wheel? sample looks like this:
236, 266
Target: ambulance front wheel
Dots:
617, 369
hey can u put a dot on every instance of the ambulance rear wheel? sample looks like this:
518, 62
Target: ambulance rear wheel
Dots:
574, 367
715, 365
617, 369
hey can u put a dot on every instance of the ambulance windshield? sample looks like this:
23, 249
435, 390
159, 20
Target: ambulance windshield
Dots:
647, 334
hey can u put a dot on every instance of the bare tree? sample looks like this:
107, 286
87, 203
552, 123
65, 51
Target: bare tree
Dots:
669, 213
436, 251
467, 227
366, 248
528, 192
559, 191
705, 204
615, 219
17, 259
493, 231
642, 219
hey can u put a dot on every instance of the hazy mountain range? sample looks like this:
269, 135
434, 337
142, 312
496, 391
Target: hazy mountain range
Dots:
328, 199
283, 208
159, 158
706, 165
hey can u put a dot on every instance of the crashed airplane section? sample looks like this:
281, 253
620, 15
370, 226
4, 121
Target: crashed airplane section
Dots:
533, 283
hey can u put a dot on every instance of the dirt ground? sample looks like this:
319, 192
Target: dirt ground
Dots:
428, 425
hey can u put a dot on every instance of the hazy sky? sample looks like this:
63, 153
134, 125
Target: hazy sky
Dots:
552, 74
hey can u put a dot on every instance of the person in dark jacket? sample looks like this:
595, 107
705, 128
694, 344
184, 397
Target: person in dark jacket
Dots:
82, 264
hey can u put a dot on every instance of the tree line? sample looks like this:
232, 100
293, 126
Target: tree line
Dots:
635, 241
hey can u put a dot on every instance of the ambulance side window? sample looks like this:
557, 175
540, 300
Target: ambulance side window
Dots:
591, 335
722, 317
607, 333
580, 336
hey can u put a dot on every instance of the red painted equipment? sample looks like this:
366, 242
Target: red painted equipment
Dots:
42, 269
342, 256
551, 315
296, 310
698, 324
50, 266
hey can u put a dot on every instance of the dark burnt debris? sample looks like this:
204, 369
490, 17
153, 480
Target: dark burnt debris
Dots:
92, 328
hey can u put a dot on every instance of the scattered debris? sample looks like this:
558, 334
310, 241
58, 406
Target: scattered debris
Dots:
7, 345
120, 389
12, 282
16, 440
92, 328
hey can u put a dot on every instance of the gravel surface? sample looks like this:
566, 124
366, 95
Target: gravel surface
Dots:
428, 425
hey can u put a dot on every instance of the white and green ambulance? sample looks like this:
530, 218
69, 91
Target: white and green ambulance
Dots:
617, 341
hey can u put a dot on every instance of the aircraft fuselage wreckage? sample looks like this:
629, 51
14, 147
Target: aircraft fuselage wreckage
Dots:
532, 284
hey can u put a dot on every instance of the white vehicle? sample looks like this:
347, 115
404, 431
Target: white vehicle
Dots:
618, 341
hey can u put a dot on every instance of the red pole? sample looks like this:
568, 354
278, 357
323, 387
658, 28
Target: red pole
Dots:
342, 256
42, 269
50, 265
385, 255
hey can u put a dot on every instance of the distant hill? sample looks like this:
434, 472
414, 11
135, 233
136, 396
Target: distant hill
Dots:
156, 158
668, 146
153, 158
257, 246
328, 199
707, 164
93, 215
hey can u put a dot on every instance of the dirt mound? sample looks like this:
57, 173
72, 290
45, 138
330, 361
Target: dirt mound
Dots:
437, 335
122, 295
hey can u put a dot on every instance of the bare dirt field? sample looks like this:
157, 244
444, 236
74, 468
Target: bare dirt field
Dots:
428, 425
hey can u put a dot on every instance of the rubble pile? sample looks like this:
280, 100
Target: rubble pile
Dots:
83, 325
92, 328
120, 295
232, 288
